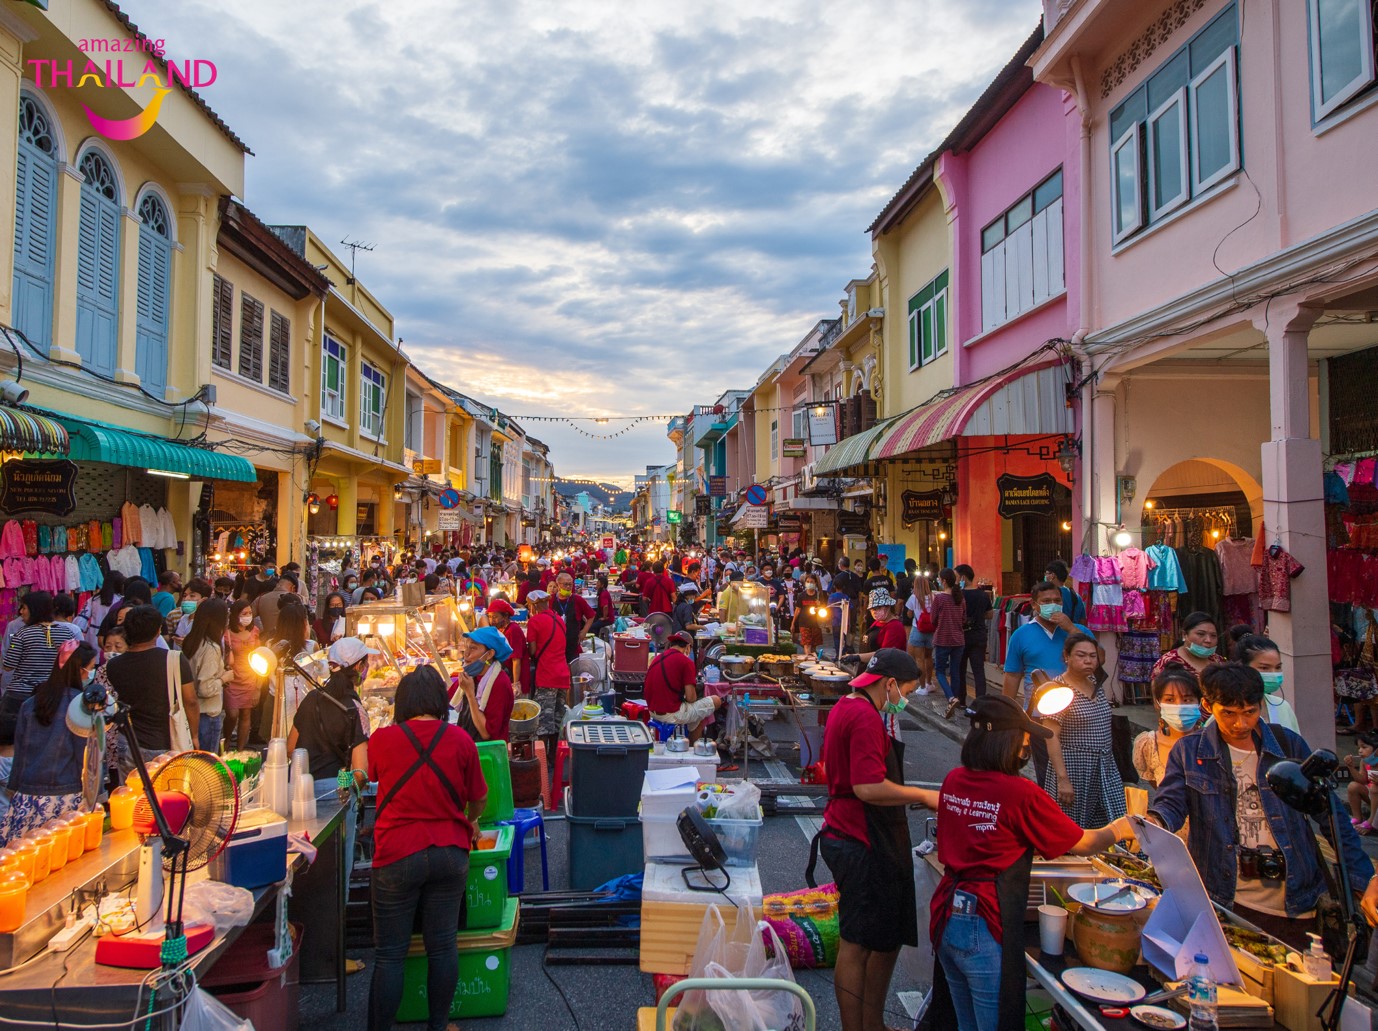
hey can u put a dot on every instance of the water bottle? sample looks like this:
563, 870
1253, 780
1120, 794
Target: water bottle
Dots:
1201, 995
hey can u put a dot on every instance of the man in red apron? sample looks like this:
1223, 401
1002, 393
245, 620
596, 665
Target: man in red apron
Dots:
865, 838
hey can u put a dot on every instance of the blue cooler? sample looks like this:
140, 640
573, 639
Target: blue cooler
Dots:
256, 854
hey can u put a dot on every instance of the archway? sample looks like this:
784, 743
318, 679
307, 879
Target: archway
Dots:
1218, 495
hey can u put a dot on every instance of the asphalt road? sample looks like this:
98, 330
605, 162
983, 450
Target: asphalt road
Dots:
583, 998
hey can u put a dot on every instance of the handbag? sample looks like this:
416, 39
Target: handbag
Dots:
178, 726
1357, 683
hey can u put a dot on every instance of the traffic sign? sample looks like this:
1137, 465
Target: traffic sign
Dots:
755, 494
449, 498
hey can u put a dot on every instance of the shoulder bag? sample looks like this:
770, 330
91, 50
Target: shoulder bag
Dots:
178, 727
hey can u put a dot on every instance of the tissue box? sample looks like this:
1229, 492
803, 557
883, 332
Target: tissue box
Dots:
256, 854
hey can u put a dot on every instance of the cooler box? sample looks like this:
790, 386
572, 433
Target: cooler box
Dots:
601, 848
243, 981
672, 914
608, 759
705, 767
497, 774
485, 972
256, 854
630, 654
485, 892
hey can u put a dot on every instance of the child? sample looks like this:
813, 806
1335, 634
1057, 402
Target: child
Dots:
1364, 785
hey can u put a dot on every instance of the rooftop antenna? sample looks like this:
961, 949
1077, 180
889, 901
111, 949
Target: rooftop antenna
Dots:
355, 246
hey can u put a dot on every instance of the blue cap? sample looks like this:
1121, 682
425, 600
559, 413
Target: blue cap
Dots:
492, 637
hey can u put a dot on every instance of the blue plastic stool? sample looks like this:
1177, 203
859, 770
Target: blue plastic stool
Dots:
522, 823
664, 731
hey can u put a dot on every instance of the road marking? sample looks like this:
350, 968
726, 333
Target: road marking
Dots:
810, 825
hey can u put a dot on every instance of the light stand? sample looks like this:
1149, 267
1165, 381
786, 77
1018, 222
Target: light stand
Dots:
1309, 788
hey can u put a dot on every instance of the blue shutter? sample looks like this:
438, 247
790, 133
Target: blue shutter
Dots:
98, 255
35, 205
150, 354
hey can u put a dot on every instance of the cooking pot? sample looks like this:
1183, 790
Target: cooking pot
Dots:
736, 665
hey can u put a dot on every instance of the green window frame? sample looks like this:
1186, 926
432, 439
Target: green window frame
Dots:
928, 322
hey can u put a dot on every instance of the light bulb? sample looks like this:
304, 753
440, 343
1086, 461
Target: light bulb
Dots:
1123, 538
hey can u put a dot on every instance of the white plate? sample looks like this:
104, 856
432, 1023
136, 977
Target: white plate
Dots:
1087, 892
1103, 986
1158, 1017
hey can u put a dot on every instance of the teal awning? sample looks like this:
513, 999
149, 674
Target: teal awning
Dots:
850, 451
97, 442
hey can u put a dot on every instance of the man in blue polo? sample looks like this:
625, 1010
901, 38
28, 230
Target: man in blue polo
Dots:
1038, 644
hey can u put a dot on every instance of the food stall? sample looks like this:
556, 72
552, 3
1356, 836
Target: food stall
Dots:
406, 636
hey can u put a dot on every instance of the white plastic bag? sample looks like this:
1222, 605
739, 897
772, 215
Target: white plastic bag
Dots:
744, 803
740, 952
204, 1012
218, 903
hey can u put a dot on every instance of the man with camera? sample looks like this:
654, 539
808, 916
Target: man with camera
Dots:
1256, 855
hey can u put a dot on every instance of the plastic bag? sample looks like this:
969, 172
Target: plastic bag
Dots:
204, 1012
218, 903
744, 803
739, 952
807, 922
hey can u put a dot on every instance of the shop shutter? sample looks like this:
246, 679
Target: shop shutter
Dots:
222, 318
279, 353
866, 411
35, 204
251, 338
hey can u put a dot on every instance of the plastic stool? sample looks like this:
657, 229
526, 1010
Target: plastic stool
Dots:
664, 731
636, 711
561, 773
522, 823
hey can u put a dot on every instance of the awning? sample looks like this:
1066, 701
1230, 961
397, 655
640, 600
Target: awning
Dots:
1023, 402
851, 451
96, 442
32, 434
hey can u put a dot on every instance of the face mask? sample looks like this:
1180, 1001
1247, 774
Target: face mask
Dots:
1201, 651
564, 592
473, 669
351, 585
1181, 717
89, 678
188, 607
1272, 682
246, 620
963, 583
1049, 610
336, 611
811, 589
269, 571
896, 707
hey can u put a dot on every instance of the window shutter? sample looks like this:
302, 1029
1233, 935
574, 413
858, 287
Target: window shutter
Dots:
222, 315
866, 407
279, 352
251, 338
33, 244
107, 266
88, 242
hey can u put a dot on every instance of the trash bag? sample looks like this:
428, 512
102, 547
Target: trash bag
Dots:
739, 952
218, 903
204, 1012
742, 803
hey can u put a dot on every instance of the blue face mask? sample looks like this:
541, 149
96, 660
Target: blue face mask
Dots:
89, 678
1050, 610
473, 669
1201, 651
1181, 717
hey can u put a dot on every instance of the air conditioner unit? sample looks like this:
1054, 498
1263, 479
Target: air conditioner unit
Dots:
808, 478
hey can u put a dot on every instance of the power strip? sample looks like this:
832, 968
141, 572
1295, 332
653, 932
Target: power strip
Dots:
73, 931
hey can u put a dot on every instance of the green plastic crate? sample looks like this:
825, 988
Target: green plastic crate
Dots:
497, 774
485, 892
485, 972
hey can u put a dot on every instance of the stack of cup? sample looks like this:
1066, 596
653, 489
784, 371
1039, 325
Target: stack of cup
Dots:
303, 797
274, 778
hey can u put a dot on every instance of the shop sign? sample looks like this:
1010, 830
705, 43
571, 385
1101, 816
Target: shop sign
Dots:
756, 517
448, 521
717, 486
853, 522
917, 505
425, 466
792, 447
609, 543
1026, 495
822, 425
703, 505
28, 486
672, 516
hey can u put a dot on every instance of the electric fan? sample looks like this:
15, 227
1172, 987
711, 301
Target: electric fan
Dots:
588, 672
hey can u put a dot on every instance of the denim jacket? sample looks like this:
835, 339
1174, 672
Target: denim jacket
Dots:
47, 760
1199, 783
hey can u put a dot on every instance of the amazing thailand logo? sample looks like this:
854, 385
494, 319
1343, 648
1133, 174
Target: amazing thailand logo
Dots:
111, 73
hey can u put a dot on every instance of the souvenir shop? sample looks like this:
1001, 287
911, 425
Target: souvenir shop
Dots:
242, 528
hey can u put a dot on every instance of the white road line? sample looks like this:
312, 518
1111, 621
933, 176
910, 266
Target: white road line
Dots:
810, 825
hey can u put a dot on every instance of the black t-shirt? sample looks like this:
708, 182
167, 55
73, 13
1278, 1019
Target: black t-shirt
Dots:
329, 730
876, 581
847, 583
140, 679
974, 626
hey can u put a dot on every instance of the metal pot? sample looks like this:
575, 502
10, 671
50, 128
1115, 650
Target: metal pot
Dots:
736, 665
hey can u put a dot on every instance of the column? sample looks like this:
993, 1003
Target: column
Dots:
1100, 466
193, 255
128, 331
1294, 518
347, 515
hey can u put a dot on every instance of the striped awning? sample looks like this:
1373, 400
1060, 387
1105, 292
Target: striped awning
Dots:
31, 434
97, 442
851, 451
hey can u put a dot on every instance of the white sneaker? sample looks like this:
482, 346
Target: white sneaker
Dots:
924, 690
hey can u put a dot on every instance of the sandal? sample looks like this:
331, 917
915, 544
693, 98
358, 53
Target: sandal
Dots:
953, 706
1363, 828
353, 966
729, 768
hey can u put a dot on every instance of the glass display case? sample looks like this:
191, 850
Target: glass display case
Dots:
746, 611
406, 636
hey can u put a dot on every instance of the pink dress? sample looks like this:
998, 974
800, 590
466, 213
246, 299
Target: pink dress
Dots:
242, 691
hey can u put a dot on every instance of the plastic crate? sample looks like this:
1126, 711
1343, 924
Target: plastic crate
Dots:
485, 892
485, 972
601, 848
740, 839
608, 760
497, 774
243, 981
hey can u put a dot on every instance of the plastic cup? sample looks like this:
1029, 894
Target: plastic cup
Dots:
1052, 929
277, 751
58, 843
13, 895
76, 835
301, 762
94, 828
122, 801
25, 856
43, 864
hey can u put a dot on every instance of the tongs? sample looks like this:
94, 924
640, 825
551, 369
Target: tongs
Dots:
1165, 995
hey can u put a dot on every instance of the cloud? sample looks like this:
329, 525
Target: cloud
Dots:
593, 207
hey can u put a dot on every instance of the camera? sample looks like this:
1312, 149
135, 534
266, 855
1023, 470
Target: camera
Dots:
1266, 864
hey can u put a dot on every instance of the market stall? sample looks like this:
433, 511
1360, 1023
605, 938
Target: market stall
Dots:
406, 636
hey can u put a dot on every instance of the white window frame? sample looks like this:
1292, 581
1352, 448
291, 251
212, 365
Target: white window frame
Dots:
369, 417
775, 438
1179, 99
1131, 137
799, 422
1355, 86
338, 410
1199, 185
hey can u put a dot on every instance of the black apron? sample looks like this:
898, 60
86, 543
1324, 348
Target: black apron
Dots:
1012, 895
569, 612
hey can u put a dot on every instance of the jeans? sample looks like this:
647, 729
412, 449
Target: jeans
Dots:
947, 663
433, 881
971, 962
208, 732
974, 658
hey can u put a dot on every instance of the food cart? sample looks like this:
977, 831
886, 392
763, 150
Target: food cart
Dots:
406, 636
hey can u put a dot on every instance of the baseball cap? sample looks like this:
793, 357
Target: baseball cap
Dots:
680, 637
888, 662
1000, 712
347, 651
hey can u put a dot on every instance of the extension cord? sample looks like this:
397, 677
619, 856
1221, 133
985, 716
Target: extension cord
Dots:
73, 931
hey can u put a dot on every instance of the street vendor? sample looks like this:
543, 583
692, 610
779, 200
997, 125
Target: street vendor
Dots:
499, 616
484, 689
576, 613
550, 676
991, 820
1256, 855
865, 838
331, 723
672, 687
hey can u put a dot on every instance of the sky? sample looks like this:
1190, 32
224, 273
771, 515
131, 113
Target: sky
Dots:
592, 208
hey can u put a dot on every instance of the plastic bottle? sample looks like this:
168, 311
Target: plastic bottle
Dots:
1316, 960
1201, 995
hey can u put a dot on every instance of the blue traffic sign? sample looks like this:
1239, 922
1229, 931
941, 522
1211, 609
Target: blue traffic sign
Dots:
449, 498
755, 494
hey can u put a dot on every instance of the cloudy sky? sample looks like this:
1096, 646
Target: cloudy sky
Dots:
594, 207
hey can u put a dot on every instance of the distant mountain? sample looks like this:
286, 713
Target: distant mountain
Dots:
610, 494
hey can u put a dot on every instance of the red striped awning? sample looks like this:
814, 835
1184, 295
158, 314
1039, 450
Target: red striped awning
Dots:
31, 434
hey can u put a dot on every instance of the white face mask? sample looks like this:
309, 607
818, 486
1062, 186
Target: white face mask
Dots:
246, 620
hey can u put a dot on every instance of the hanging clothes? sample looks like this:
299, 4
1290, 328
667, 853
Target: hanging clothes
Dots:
1201, 574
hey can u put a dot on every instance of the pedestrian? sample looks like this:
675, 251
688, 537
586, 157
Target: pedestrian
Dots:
331, 723
331, 626
865, 838
29, 657
849, 585
1363, 784
516, 665
169, 587
1072, 605
672, 687
920, 642
949, 615
241, 693
904, 587
1081, 775
991, 820
550, 676
576, 614
1177, 702
431, 793
811, 614
1263, 655
99, 605
266, 605
485, 689
682, 615
194, 593
975, 628
1198, 648
877, 578
148, 678
204, 647
1037, 645
658, 590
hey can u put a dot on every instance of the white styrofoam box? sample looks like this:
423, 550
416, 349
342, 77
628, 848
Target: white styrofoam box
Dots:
665, 793
706, 767
664, 882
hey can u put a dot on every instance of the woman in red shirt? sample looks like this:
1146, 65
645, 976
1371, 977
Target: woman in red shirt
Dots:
545, 640
604, 615
949, 613
430, 794
485, 705
991, 820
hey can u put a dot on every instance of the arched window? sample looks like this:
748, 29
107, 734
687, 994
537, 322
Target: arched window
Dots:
35, 223
155, 287
98, 263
